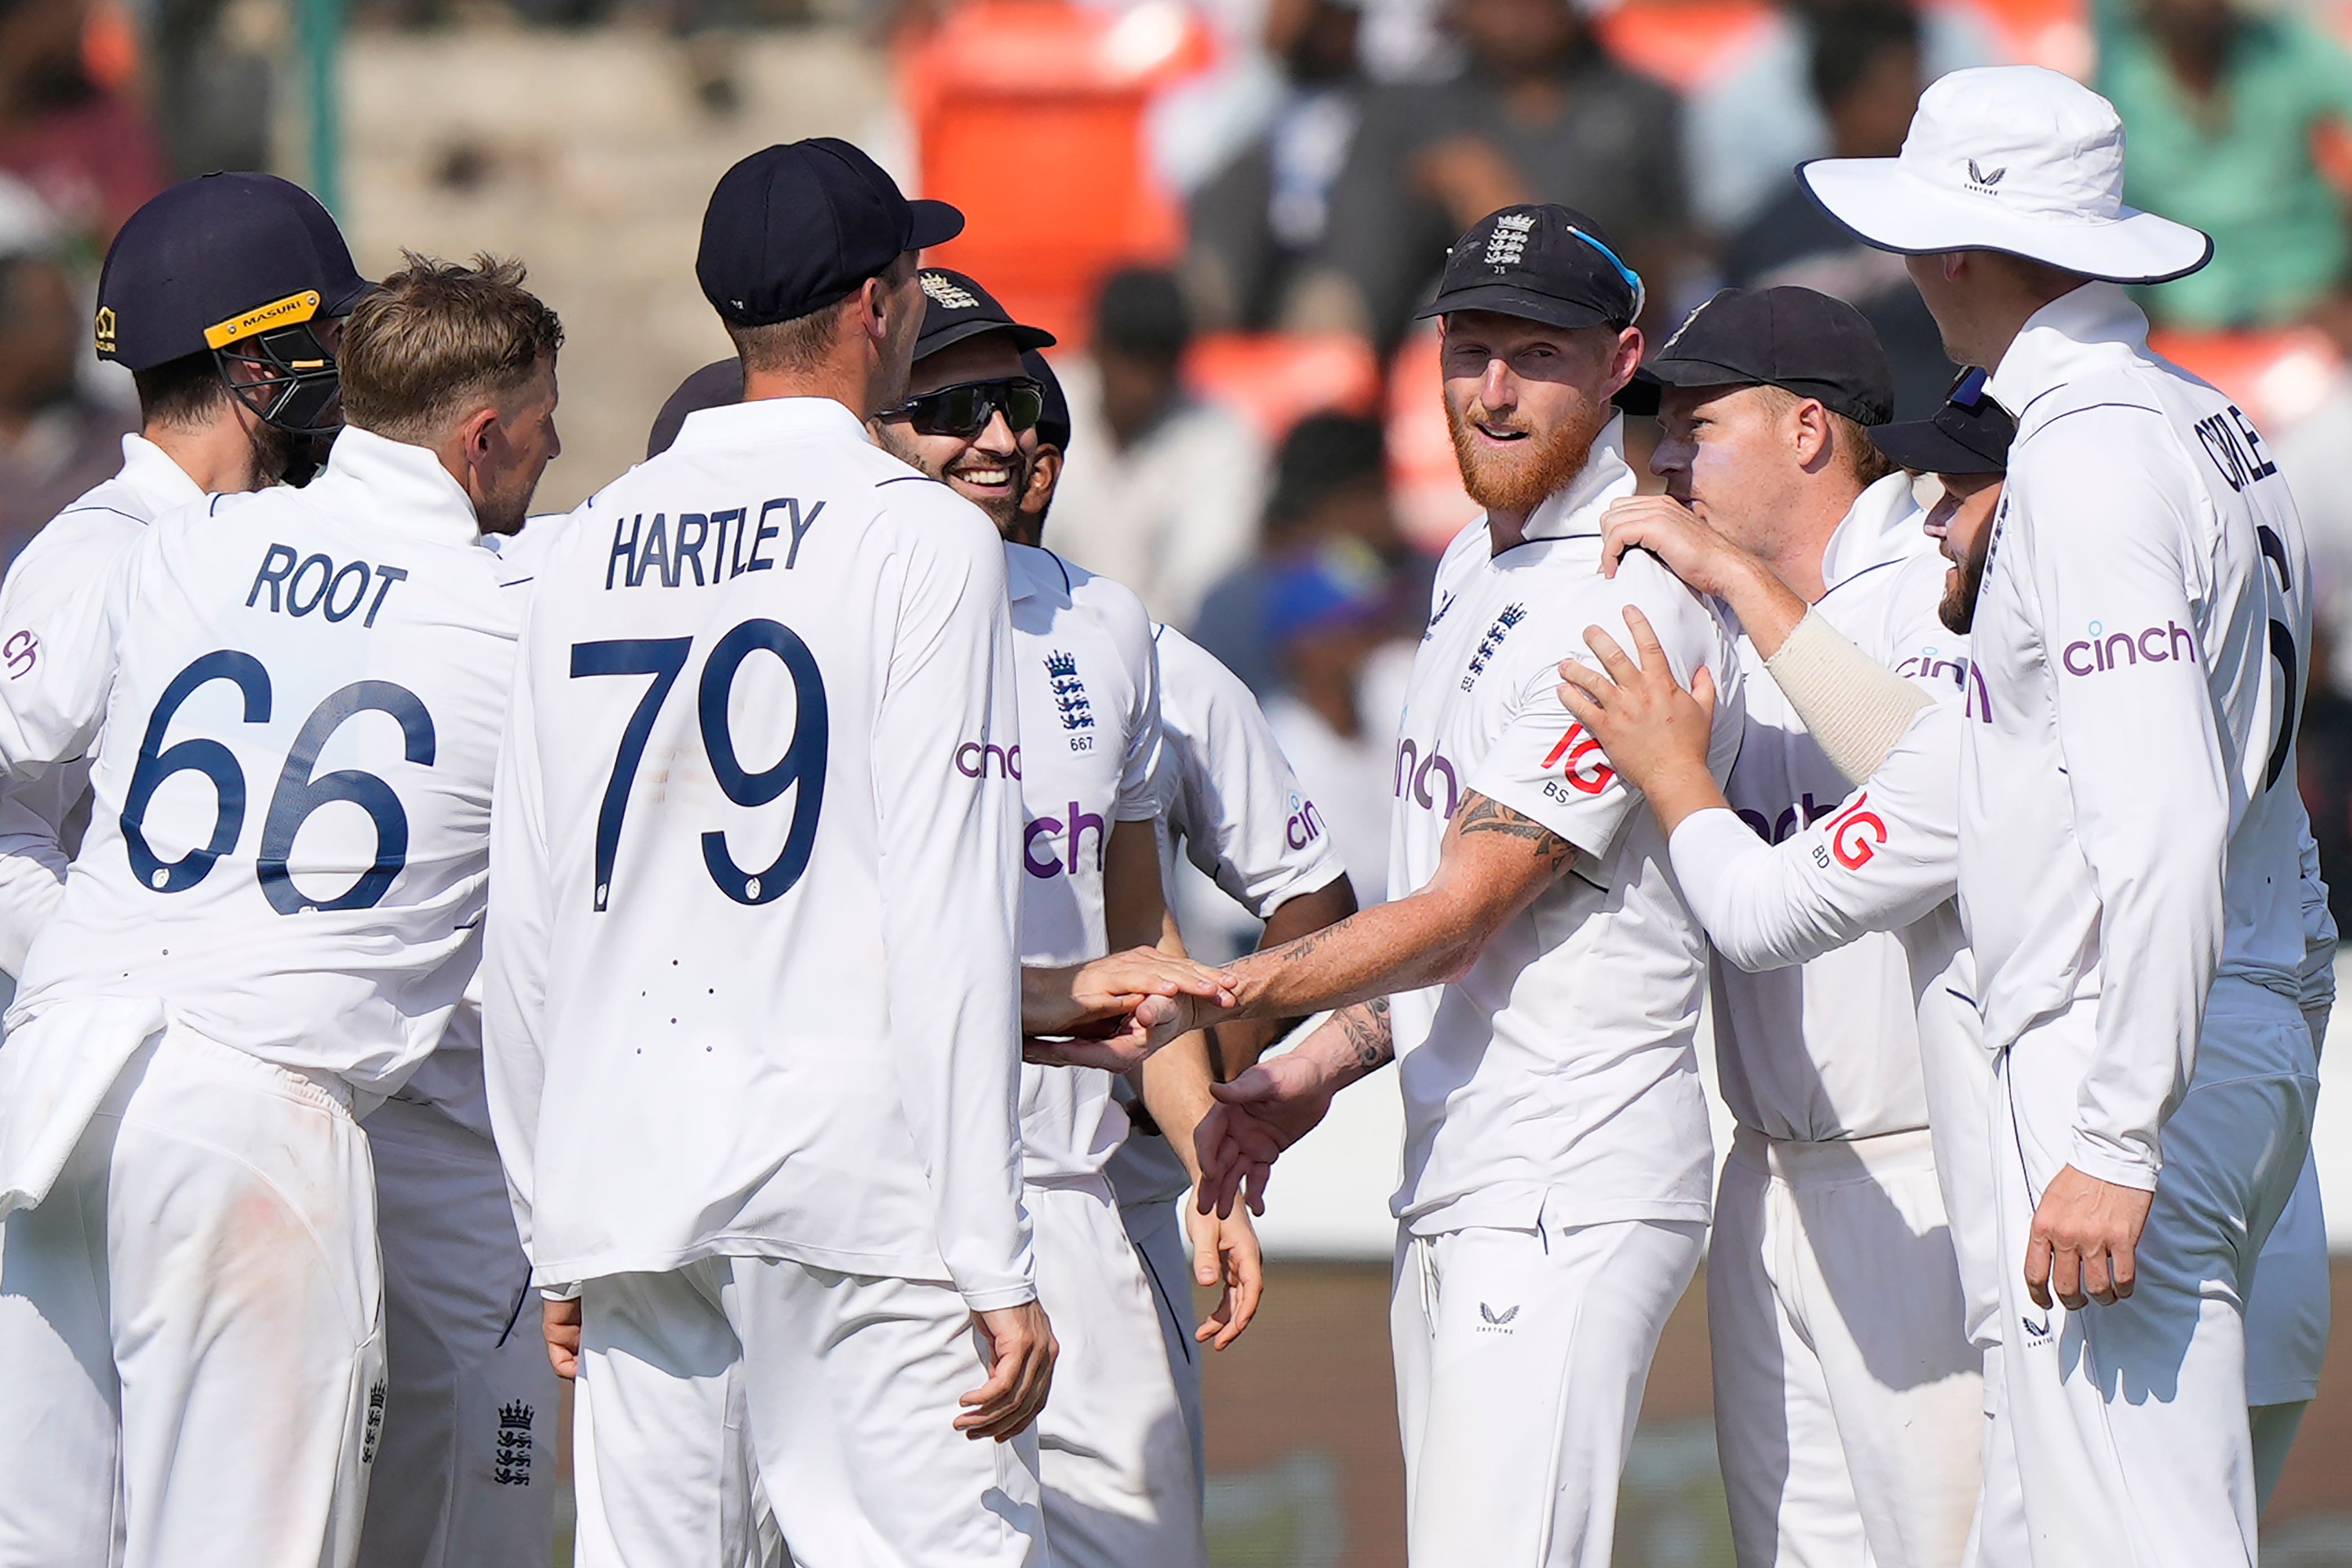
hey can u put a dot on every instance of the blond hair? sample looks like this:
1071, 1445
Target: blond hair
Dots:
439, 339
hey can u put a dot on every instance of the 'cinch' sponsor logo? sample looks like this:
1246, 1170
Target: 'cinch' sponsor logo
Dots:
1413, 772
978, 759
2104, 650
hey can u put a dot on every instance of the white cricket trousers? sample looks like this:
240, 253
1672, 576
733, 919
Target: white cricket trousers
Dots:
465, 1475
1848, 1400
191, 1326
1156, 1228
2130, 1420
1113, 1451
1520, 1360
832, 1394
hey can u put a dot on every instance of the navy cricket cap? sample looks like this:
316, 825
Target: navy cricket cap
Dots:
719, 384
1795, 338
215, 261
1543, 263
1970, 435
1053, 424
955, 307
796, 228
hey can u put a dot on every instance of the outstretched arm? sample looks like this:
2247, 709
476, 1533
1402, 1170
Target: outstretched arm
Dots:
1493, 864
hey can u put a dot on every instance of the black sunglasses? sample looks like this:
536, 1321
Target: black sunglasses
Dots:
1967, 389
964, 409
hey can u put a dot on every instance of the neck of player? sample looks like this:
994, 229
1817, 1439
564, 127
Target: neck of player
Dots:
218, 453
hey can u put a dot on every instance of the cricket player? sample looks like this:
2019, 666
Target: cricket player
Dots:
213, 420
1238, 814
1890, 849
1846, 1391
1545, 976
268, 926
785, 1189
2129, 873
1115, 1451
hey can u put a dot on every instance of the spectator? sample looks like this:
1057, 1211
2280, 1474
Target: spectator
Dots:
1541, 113
1162, 491
1866, 81
56, 441
1332, 616
2220, 106
1754, 124
1259, 218
1330, 484
89, 152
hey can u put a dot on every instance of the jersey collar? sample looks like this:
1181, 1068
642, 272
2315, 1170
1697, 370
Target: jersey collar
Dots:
403, 487
1881, 527
1575, 511
161, 483
2094, 326
1031, 572
764, 419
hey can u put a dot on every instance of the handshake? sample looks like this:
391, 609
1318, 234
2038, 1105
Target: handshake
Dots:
1114, 1012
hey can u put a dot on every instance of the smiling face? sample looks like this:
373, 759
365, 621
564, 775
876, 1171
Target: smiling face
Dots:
990, 468
1961, 524
1525, 401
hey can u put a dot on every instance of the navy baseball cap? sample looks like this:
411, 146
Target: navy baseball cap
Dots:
1053, 424
796, 228
1970, 435
1543, 263
1795, 338
719, 384
216, 262
955, 307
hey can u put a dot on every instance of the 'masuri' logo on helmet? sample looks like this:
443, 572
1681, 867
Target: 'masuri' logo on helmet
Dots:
106, 329
1984, 180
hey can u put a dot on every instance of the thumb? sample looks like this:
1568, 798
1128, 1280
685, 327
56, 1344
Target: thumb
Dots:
1702, 687
1249, 1089
1205, 1261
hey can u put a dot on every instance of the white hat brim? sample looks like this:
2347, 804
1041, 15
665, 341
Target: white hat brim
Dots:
1886, 205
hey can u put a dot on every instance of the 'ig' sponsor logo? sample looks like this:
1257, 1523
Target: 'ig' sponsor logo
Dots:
1581, 763
1854, 835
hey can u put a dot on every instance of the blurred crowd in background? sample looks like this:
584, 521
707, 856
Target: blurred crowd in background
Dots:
1316, 157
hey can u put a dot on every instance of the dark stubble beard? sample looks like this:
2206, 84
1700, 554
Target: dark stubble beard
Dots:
1957, 609
1533, 470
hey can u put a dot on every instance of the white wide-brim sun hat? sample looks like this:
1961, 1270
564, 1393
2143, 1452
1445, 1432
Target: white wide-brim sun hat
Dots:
2010, 158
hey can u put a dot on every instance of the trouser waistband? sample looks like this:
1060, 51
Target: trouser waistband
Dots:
1805, 1163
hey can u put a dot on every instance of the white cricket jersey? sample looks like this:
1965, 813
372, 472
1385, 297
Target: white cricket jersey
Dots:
1090, 751
1234, 801
302, 692
1554, 1083
1830, 1049
73, 550
1237, 811
2130, 827
751, 987
1883, 858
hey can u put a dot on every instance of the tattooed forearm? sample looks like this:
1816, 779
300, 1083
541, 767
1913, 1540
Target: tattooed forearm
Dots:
1480, 814
1371, 1035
